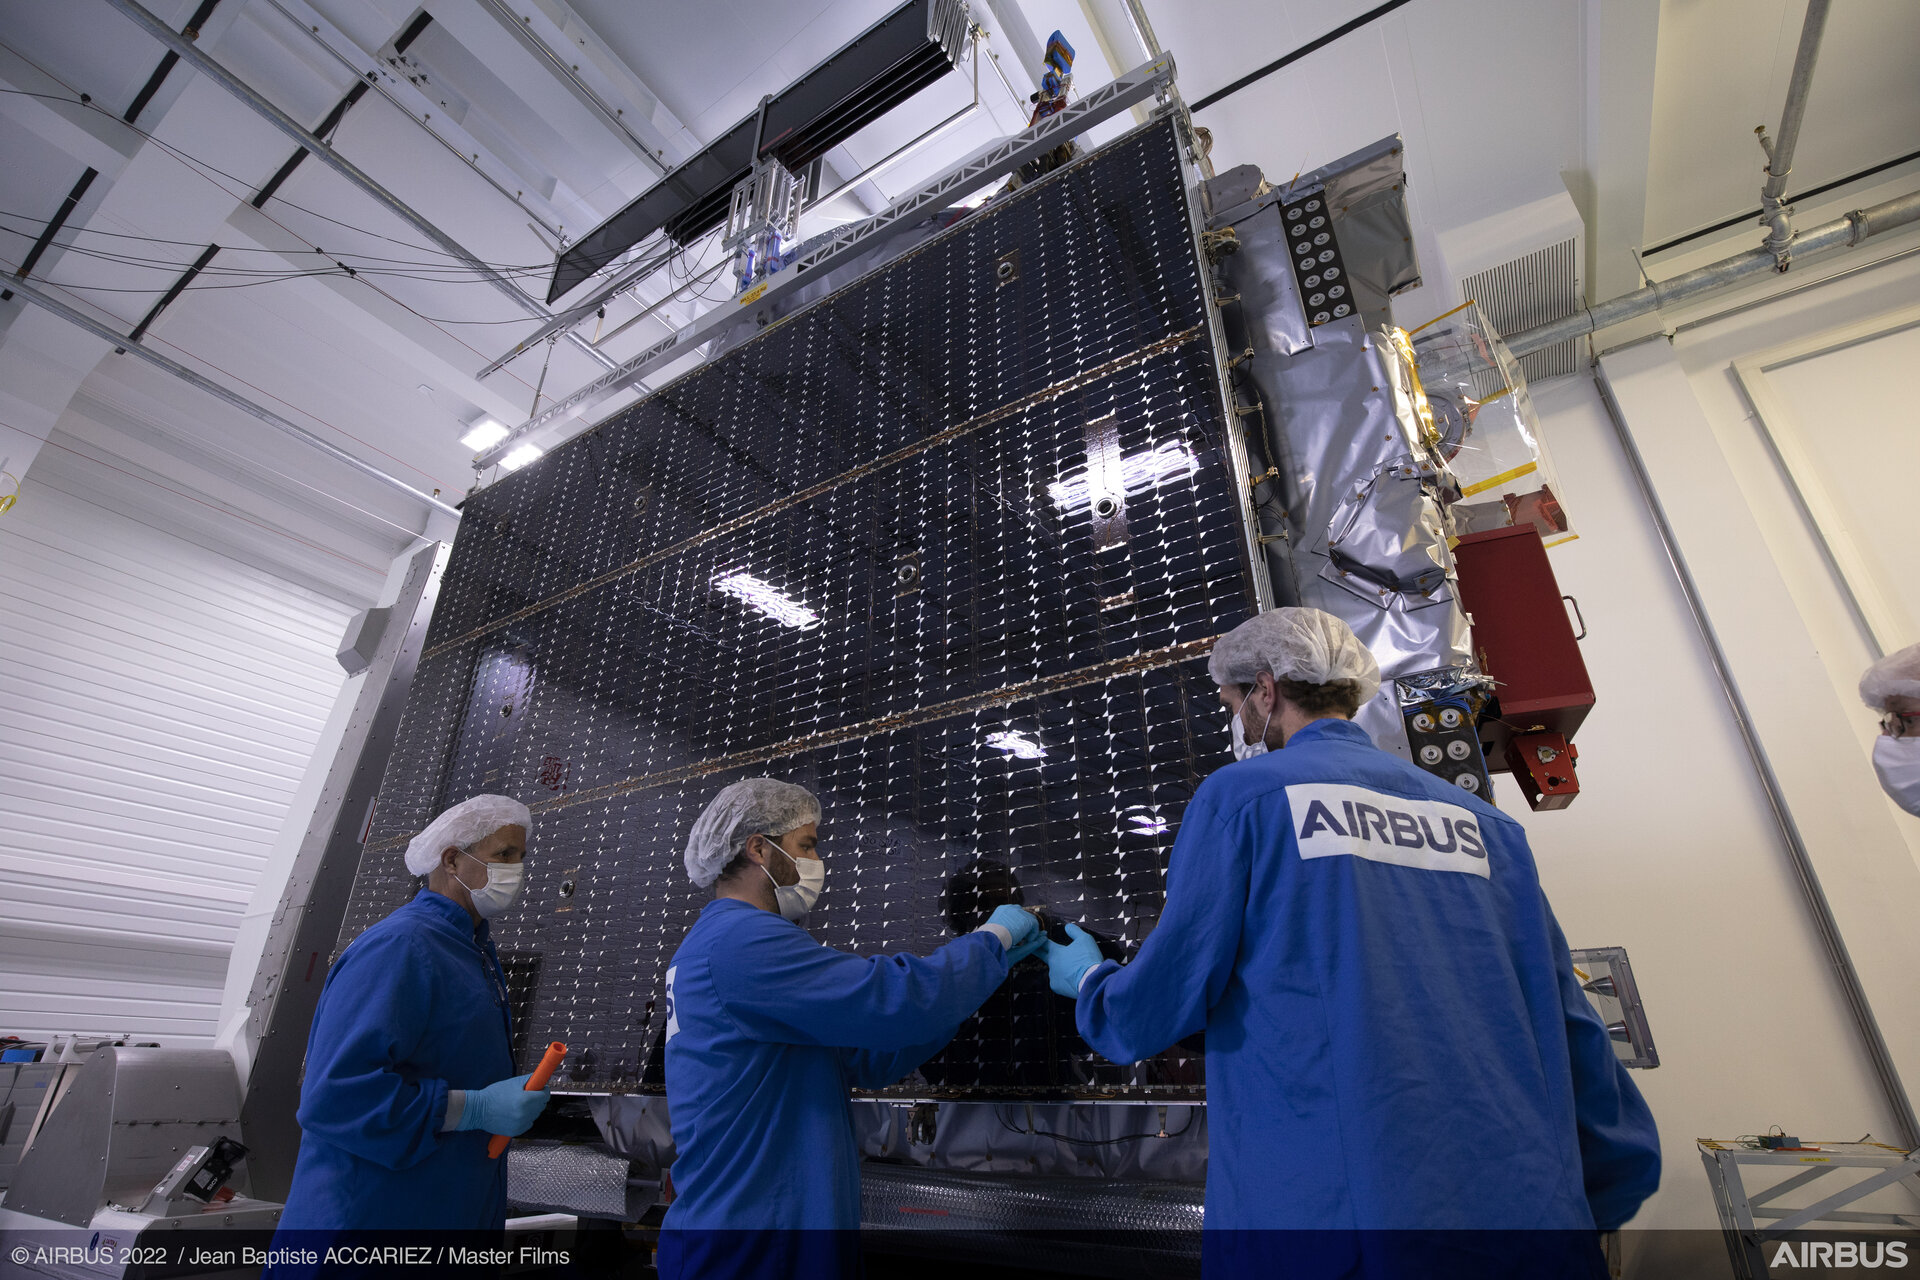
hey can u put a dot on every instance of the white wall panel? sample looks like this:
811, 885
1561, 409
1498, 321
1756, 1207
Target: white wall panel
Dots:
158, 705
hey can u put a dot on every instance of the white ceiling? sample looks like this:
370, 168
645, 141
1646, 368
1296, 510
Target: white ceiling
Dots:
1643, 109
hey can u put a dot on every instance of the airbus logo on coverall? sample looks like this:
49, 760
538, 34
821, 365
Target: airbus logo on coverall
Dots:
1332, 819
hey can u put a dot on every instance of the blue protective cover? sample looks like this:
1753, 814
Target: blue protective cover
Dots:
767, 1030
1395, 1038
415, 1006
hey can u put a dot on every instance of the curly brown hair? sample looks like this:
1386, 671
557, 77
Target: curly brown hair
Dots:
1340, 698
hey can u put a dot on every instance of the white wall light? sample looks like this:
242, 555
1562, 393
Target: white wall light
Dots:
521, 456
485, 434
763, 596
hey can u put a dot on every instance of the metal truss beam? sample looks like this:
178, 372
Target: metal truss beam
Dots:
991, 162
123, 343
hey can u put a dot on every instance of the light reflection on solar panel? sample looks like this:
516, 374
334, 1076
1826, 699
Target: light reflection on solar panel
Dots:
763, 596
851, 553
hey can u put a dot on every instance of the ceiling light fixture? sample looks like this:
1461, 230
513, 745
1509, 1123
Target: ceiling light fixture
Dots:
763, 596
485, 434
521, 456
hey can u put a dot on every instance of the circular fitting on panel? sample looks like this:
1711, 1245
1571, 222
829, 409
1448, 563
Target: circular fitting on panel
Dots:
1332, 273
1316, 299
566, 888
907, 574
1430, 754
1423, 722
1311, 281
1106, 507
1338, 291
1459, 749
1303, 247
1003, 271
1294, 212
1342, 309
1322, 238
1318, 221
1321, 317
1313, 204
1468, 782
1306, 264
1326, 255
1450, 718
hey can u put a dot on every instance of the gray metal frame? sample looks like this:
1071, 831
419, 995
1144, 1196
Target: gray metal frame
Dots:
1740, 1210
293, 964
1258, 567
121, 1127
985, 165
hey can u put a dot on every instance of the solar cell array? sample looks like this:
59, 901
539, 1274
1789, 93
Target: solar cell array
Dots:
948, 548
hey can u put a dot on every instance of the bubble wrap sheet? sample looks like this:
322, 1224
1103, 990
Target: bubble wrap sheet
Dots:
567, 1175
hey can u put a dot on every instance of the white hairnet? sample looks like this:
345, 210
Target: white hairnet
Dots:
749, 807
1895, 676
1308, 645
464, 826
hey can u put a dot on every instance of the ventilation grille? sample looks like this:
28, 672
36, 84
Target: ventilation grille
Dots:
1535, 289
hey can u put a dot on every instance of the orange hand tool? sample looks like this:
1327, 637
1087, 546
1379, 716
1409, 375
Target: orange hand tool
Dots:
549, 1063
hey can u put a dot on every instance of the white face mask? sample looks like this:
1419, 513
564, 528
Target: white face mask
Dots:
1897, 761
796, 900
1236, 735
502, 887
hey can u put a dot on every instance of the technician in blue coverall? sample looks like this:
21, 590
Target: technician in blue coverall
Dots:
767, 1030
1397, 1047
408, 1062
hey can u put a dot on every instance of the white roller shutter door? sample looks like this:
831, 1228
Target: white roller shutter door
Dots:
158, 705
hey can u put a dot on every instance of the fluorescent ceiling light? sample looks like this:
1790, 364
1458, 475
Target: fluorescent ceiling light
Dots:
486, 433
521, 456
1016, 744
782, 608
1136, 471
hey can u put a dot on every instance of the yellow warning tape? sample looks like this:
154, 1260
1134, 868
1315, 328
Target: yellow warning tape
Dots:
1442, 316
1499, 480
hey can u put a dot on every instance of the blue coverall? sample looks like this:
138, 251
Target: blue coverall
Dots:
416, 1005
766, 1031
1395, 1038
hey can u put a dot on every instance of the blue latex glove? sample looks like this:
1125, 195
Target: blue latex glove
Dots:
504, 1107
1019, 922
1066, 965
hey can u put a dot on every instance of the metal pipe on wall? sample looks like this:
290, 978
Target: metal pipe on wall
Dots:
234, 398
1780, 155
199, 61
1841, 233
1821, 910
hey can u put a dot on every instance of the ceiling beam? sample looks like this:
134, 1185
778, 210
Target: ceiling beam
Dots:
583, 64
1622, 40
213, 70
284, 425
506, 174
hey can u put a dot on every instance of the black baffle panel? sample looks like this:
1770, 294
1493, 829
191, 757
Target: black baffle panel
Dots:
948, 548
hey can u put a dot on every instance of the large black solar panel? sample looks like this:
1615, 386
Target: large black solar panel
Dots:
947, 548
